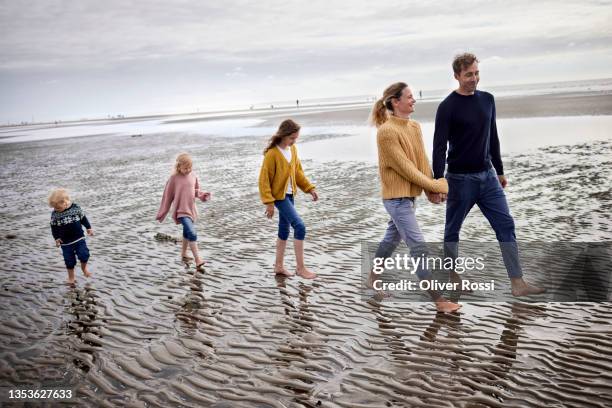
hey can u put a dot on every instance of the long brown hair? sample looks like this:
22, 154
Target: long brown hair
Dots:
379, 113
286, 128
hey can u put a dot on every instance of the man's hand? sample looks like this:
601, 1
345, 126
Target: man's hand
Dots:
269, 210
314, 195
435, 198
502, 180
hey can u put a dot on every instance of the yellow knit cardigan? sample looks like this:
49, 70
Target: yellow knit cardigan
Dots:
402, 162
276, 172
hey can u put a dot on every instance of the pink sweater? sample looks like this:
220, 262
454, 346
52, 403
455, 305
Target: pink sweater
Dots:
182, 190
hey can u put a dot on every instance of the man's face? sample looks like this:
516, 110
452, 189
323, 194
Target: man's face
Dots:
468, 78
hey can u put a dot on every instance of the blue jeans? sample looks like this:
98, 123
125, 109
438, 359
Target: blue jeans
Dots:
287, 216
403, 226
189, 232
72, 251
484, 190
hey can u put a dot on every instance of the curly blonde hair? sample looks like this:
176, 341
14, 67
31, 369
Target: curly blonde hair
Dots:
58, 196
182, 159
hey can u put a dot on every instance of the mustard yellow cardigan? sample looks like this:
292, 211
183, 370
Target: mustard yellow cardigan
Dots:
276, 172
402, 162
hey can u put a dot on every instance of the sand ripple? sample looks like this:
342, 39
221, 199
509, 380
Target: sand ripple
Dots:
148, 331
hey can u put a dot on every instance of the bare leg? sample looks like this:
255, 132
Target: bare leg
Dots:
301, 270
85, 270
279, 267
184, 246
193, 245
456, 278
522, 288
71, 278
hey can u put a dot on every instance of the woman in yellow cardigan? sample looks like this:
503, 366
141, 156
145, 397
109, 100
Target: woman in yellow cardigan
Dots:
404, 174
280, 176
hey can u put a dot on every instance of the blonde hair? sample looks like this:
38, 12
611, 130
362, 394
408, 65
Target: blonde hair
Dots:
286, 128
181, 159
379, 114
58, 196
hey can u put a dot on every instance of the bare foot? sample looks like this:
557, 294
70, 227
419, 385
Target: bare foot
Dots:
305, 273
444, 306
71, 281
522, 288
281, 270
86, 271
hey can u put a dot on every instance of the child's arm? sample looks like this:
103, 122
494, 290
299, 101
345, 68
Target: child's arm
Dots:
266, 175
56, 235
167, 199
202, 195
301, 180
85, 223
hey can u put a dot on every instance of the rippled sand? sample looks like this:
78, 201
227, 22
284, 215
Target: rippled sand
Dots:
148, 331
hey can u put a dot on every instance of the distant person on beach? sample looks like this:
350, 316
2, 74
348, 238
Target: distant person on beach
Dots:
465, 123
279, 179
67, 222
297, 103
182, 188
404, 173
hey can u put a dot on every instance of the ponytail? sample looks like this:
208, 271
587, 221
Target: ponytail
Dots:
382, 107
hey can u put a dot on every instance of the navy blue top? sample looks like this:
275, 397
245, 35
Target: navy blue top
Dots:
68, 225
467, 124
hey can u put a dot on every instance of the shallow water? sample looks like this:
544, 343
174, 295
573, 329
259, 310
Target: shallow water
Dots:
147, 331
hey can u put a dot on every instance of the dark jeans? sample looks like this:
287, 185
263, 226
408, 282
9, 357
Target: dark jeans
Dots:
288, 216
484, 190
72, 251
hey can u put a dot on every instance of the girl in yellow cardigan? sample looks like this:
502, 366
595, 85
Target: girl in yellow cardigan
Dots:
280, 176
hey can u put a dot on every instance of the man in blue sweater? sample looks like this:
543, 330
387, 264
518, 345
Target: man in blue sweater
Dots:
465, 122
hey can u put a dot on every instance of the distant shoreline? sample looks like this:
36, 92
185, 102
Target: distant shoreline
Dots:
582, 103
508, 107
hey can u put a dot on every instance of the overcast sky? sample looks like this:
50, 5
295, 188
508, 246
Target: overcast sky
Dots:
74, 59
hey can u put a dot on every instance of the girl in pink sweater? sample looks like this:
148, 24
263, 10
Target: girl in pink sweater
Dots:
182, 189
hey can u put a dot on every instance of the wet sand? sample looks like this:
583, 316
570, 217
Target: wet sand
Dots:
147, 331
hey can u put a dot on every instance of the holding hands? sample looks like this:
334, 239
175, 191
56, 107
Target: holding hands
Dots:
436, 198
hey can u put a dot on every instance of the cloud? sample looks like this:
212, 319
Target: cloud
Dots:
186, 46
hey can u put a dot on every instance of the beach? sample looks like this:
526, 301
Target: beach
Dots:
147, 330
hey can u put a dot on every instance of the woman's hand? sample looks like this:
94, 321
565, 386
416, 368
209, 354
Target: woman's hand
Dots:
58, 242
269, 210
90, 232
314, 195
